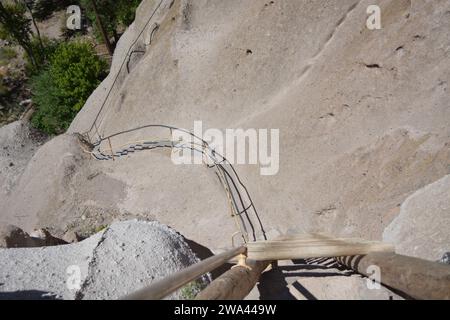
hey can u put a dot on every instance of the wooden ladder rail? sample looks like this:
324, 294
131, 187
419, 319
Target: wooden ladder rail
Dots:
418, 279
166, 286
236, 283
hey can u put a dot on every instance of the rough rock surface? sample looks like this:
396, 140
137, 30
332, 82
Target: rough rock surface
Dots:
119, 260
14, 237
17, 147
363, 118
69, 193
71, 237
416, 231
317, 279
47, 238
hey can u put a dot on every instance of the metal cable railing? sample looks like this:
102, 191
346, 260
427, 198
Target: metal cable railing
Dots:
242, 208
125, 63
241, 204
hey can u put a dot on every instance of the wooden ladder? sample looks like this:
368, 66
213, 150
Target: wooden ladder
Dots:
312, 246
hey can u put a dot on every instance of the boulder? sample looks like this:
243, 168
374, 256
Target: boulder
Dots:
421, 228
112, 263
71, 237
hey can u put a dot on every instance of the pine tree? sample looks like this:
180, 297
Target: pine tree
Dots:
15, 26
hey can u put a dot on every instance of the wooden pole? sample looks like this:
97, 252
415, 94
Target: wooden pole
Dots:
102, 29
234, 284
166, 286
311, 246
419, 279
110, 148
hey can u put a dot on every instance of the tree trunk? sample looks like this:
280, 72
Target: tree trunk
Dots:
116, 37
6, 19
102, 29
38, 33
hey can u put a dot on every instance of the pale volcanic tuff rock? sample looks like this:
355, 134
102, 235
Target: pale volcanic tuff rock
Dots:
14, 237
417, 230
119, 260
363, 118
18, 143
355, 140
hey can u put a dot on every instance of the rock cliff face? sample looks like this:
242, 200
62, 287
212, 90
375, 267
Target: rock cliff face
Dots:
363, 118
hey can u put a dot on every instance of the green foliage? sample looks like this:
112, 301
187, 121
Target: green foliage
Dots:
42, 54
15, 26
77, 71
99, 229
3, 89
126, 11
61, 90
113, 13
6, 55
190, 291
51, 116
43, 9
